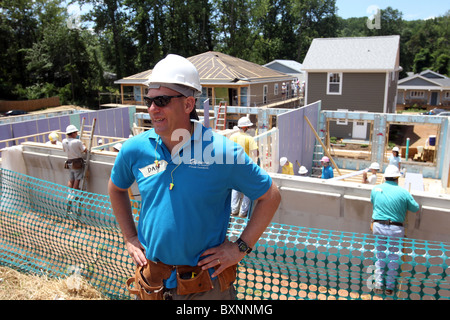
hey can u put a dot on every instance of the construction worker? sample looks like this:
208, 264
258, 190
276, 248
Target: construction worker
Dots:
286, 166
180, 243
394, 158
390, 205
117, 147
302, 171
327, 170
74, 148
54, 139
374, 168
247, 142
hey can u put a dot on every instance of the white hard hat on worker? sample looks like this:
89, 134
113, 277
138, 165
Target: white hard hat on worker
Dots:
177, 70
374, 166
71, 129
179, 74
392, 172
244, 122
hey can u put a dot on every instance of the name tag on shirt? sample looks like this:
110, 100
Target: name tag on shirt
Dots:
153, 168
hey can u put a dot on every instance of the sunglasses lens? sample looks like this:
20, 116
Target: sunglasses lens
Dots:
160, 101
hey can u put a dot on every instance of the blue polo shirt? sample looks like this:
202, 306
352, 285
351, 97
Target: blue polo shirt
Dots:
176, 226
327, 172
391, 202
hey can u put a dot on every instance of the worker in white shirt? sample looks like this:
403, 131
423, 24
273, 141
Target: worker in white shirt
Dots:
247, 142
372, 179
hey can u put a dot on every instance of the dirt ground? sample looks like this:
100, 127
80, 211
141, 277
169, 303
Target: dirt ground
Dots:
418, 134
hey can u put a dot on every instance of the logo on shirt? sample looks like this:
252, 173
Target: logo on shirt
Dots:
154, 168
196, 164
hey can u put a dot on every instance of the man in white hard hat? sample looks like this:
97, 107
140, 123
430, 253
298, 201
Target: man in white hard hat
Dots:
117, 147
287, 167
75, 162
180, 244
247, 142
390, 205
372, 179
302, 171
327, 170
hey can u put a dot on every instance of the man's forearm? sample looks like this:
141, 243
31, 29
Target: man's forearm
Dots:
120, 203
262, 215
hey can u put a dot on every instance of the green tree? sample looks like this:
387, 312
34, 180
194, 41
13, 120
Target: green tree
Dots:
19, 26
109, 18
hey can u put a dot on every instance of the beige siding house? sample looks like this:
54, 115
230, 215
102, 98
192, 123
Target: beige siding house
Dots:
353, 74
223, 78
427, 89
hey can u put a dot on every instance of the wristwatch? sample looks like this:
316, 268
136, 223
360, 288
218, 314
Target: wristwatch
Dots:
243, 247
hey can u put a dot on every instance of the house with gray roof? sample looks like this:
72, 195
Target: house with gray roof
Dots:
353, 74
427, 89
290, 67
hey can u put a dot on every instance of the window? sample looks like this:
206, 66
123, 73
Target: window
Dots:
265, 90
417, 94
334, 83
275, 89
342, 122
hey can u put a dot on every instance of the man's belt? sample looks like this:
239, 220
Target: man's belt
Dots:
389, 222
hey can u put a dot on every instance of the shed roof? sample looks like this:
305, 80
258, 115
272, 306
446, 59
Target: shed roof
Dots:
296, 67
370, 54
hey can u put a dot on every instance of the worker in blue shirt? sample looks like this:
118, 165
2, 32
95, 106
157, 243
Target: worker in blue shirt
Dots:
185, 174
394, 158
327, 170
390, 205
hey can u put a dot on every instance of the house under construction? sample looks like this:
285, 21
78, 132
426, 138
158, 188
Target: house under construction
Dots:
318, 231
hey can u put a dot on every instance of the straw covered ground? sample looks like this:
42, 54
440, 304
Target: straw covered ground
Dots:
15, 285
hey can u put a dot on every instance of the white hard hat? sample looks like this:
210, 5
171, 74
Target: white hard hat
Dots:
325, 159
177, 70
244, 122
392, 172
302, 170
117, 146
71, 129
375, 166
283, 161
395, 149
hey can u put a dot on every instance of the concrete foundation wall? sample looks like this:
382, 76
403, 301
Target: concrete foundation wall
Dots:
306, 202
346, 206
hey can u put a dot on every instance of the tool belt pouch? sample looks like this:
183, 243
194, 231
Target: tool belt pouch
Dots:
148, 281
192, 280
74, 164
227, 277
77, 164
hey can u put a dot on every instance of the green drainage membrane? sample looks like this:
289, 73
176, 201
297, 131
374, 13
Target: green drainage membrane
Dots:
46, 228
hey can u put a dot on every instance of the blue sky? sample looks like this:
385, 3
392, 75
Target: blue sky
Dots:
411, 9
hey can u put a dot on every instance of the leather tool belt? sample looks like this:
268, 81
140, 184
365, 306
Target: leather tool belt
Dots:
74, 164
389, 222
149, 280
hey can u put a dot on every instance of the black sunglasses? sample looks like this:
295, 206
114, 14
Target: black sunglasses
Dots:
160, 101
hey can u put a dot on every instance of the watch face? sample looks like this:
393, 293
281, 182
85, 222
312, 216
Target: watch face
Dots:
242, 247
